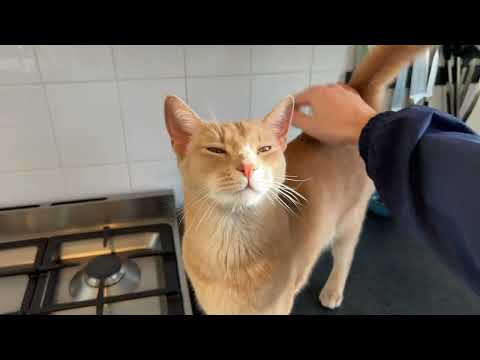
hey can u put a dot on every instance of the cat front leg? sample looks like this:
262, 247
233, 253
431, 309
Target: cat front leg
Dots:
343, 249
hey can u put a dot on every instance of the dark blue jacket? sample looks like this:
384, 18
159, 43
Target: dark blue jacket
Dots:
426, 167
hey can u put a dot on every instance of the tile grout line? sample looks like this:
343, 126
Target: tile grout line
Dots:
312, 59
166, 159
91, 165
71, 167
209, 76
184, 52
83, 166
27, 171
250, 103
52, 124
122, 118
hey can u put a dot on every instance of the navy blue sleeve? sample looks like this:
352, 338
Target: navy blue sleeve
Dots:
426, 167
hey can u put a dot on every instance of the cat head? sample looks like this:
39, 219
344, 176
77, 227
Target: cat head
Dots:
234, 164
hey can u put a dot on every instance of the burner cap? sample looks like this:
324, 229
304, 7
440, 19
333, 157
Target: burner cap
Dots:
104, 266
115, 273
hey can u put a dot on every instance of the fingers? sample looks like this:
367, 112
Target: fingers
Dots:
301, 120
303, 98
349, 88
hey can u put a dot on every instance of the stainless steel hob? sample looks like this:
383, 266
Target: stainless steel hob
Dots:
109, 256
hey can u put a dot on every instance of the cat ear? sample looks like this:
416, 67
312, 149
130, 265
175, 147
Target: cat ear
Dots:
181, 122
279, 119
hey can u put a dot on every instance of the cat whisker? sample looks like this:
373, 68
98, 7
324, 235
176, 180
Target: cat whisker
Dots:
290, 190
290, 199
209, 211
286, 190
193, 204
195, 225
289, 196
296, 180
295, 195
291, 179
283, 204
291, 176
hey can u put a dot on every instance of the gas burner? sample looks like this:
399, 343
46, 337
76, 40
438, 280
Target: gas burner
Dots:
66, 258
107, 268
110, 269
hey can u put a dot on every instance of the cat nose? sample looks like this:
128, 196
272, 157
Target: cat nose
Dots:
247, 169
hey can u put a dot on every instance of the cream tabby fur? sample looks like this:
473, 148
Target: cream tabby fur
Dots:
243, 251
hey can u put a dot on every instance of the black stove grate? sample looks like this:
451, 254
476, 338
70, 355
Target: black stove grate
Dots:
43, 302
38, 298
32, 271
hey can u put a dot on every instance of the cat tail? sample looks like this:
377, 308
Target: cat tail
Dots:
379, 68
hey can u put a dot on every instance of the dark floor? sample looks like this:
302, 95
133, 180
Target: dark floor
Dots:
392, 274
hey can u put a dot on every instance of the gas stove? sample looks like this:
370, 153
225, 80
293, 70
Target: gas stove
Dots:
107, 256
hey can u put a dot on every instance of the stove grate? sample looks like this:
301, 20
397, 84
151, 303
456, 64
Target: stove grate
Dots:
47, 272
32, 271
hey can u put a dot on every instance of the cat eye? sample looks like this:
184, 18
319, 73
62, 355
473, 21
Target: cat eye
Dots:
216, 150
264, 148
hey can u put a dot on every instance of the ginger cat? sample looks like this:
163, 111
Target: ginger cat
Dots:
259, 213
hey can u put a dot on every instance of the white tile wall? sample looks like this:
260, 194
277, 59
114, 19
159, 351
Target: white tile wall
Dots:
327, 57
87, 123
142, 104
81, 121
18, 65
75, 63
281, 58
150, 176
328, 76
134, 61
269, 90
28, 188
221, 98
96, 180
217, 60
27, 140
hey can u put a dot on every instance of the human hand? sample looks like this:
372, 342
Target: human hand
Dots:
338, 113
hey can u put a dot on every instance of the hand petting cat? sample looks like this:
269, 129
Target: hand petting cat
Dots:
338, 113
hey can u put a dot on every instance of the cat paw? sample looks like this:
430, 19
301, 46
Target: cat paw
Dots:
331, 299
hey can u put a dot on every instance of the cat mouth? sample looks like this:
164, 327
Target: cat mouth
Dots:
247, 189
